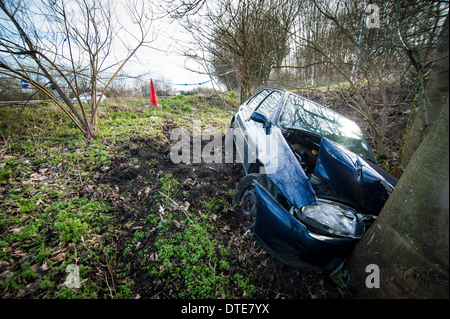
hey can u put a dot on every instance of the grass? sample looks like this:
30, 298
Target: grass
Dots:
48, 220
192, 262
185, 256
189, 261
36, 224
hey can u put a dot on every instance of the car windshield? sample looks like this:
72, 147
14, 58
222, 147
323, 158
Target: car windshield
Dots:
300, 113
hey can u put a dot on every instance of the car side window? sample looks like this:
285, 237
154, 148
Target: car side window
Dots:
290, 113
269, 105
253, 103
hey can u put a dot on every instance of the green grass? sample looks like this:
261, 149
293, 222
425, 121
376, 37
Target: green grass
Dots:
38, 230
192, 260
188, 260
47, 223
194, 263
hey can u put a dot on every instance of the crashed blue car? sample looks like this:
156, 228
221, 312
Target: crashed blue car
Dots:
312, 184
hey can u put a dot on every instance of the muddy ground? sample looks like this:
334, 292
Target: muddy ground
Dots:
136, 190
138, 186
130, 182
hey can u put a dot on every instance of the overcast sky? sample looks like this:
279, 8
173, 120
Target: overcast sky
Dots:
165, 60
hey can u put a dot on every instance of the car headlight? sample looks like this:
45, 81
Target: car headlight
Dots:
330, 218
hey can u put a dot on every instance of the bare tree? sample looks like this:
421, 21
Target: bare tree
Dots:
332, 30
63, 47
349, 50
178, 9
409, 242
247, 37
423, 37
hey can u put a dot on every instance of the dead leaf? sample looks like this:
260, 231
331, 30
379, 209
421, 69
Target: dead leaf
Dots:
59, 258
128, 225
176, 223
185, 206
21, 293
44, 266
153, 257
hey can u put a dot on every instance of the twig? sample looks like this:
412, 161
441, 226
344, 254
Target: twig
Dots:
108, 266
5, 148
178, 207
110, 291
78, 170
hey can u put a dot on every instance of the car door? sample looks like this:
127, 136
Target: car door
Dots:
258, 132
243, 128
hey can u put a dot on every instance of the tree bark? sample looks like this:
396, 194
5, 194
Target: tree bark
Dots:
428, 103
410, 240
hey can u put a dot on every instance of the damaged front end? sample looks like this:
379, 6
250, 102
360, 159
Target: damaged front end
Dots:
330, 218
357, 179
326, 197
293, 242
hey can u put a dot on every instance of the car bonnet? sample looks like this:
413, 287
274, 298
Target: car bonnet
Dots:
353, 176
347, 172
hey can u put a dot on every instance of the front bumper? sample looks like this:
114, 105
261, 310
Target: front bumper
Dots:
290, 241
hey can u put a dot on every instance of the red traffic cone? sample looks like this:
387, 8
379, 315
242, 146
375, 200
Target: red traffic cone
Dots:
153, 98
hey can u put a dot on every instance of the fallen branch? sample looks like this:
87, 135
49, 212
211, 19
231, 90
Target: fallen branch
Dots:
181, 208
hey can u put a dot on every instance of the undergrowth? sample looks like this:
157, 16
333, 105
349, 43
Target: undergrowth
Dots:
51, 217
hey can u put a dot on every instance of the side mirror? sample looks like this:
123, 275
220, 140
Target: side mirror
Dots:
258, 117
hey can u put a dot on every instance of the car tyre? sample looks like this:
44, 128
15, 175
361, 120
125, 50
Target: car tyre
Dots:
245, 194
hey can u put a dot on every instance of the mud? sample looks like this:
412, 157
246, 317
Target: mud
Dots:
134, 176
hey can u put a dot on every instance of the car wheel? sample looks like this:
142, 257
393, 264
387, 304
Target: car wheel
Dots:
245, 194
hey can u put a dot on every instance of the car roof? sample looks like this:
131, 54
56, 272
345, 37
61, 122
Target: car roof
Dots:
288, 92
336, 115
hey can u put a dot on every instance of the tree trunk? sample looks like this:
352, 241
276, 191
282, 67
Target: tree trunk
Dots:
427, 104
409, 243
245, 81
